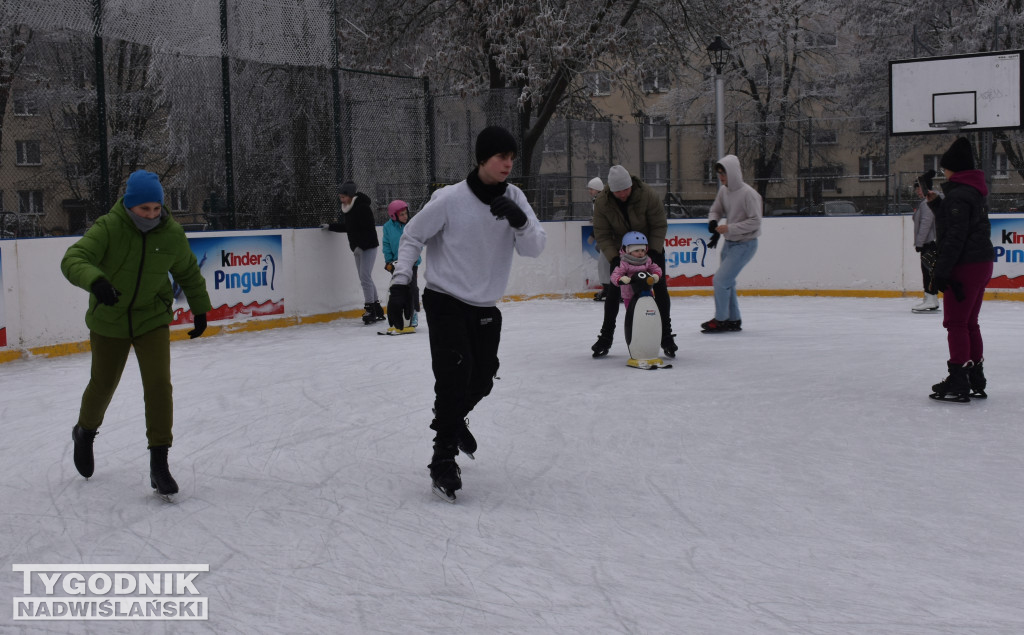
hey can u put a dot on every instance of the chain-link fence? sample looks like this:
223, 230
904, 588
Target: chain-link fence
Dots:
244, 113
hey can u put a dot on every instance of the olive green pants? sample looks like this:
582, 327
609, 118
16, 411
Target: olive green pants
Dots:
109, 355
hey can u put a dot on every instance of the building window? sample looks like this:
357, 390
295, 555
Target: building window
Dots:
177, 199
24, 105
451, 133
656, 82
599, 83
820, 88
555, 138
710, 178
1001, 170
597, 131
30, 202
655, 127
820, 40
873, 168
824, 137
931, 162
28, 153
656, 172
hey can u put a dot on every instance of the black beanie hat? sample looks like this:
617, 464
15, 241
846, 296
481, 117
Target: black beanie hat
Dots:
926, 178
959, 157
494, 140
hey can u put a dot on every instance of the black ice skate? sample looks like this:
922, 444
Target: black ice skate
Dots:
467, 443
368, 317
976, 378
83, 449
733, 325
602, 346
160, 475
445, 475
668, 345
955, 388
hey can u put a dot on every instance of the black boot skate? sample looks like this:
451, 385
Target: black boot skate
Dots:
976, 378
445, 475
378, 312
603, 344
668, 344
955, 388
734, 325
368, 316
159, 474
467, 443
83, 449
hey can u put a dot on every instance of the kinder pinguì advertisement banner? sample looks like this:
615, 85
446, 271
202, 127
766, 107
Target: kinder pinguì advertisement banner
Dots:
688, 261
1008, 239
3, 313
243, 277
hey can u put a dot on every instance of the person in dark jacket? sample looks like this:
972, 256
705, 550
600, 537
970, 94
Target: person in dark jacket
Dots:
963, 267
357, 221
123, 260
628, 204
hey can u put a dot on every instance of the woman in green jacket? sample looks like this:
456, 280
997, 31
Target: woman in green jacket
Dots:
124, 259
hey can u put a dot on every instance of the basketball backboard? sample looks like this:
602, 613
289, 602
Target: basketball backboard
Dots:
955, 92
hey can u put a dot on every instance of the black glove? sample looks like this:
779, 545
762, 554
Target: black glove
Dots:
917, 249
941, 283
504, 207
712, 225
198, 324
105, 292
389, 267
714, 240
398, 304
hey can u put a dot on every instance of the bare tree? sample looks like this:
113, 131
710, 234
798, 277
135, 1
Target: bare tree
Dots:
782, 68
538, 48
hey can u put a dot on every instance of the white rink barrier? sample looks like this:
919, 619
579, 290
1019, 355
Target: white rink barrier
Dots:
312, 276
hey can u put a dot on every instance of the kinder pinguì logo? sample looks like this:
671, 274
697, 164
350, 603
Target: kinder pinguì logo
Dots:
261, 271
1009, 254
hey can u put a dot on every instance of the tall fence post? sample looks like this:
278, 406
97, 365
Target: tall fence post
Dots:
339, 157
431, 137
225, 77
101, 106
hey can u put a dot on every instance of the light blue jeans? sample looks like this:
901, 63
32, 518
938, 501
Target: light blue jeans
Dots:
364, 267
735, 256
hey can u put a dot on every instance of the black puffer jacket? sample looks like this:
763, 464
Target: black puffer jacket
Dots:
359, 224
962, 229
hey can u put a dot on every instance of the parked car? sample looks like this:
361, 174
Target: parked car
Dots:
783, 212
832, 208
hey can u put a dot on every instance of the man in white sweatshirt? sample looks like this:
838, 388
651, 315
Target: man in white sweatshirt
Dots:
471, 230
735, 216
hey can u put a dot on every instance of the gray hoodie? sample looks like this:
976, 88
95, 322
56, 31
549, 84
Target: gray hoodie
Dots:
739, 203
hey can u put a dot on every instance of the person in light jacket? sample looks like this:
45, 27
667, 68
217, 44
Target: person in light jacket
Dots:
735, 216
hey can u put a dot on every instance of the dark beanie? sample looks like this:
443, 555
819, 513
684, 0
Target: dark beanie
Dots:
143, 187
926, 178
348, 188
494, 140
959, 157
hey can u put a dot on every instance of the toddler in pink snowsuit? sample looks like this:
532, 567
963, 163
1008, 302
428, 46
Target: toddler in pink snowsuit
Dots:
633, 259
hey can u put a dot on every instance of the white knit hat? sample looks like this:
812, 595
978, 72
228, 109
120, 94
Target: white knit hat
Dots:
596, 183
619, 179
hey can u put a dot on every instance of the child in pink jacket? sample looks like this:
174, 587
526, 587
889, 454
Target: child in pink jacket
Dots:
633, 259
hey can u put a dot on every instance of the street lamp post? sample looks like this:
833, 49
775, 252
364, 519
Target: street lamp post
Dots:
718, 52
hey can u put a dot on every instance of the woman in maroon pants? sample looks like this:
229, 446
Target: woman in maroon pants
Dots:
962, 270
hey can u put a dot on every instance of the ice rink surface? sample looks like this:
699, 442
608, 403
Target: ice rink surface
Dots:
792, 478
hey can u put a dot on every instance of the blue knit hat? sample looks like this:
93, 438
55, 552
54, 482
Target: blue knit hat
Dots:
143, 187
